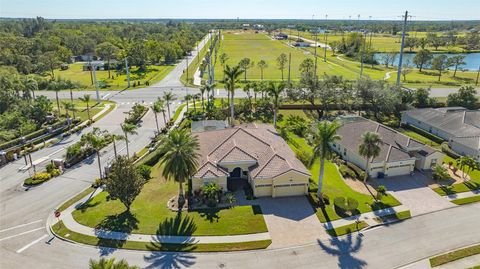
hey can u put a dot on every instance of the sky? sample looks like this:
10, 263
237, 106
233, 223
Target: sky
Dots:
243, 9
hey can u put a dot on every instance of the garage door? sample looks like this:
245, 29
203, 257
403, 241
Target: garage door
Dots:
289, 190
263, 190
398, 171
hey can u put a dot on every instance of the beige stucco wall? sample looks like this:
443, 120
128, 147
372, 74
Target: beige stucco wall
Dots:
264, 187
198, 183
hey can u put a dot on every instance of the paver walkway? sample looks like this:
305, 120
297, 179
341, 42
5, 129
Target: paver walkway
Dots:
462, 195
72, 225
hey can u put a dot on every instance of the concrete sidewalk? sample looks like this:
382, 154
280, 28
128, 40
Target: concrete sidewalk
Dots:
74, 226
366, 217
461, 195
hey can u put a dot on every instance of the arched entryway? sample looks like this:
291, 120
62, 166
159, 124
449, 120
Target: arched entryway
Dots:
235, 181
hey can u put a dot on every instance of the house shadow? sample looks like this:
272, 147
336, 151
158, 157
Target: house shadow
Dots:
177, 229
113, 231
344, 249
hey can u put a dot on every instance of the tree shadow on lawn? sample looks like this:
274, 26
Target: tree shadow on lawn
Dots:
116, 227
344, 249
173, 255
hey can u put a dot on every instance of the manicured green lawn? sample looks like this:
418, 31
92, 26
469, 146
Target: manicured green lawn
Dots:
472, 184
81, 107
75, 73
468, 200
419, 137
350, 228
62, 231
149, 214
454, 255
75, 199
335, 186
194, 64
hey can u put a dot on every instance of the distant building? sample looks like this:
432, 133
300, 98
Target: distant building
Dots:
246, 26
91, 56
99, 65
399, 154
302, 43
457, 125
281, 36
258, 26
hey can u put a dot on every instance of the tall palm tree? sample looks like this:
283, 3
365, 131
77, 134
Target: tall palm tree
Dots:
203, 89
187, 99
31, 85
180, 158
262, 65
128, 129
67, 106
231, 78
55, 86
116, 137
156, 108
169, 97
275, 91
323, 135
86, 98
104, 263
370, 149
161, 105
96, 141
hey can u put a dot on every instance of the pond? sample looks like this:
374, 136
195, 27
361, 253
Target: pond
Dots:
472, 60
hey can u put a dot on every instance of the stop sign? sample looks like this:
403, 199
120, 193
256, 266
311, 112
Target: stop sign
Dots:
57, 214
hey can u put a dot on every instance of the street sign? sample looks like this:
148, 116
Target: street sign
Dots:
57, 213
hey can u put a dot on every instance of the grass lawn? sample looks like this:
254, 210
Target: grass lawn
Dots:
419, 137
334, 185
81, 108
454, 255
194, 64
350, 228
149, 214
63, 232
75, 73
241, 44
472, 184
75, 199
468, 200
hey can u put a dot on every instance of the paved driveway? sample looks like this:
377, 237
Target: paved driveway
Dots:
291, 221
413, 192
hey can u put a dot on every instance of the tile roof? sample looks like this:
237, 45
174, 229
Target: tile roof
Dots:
395, 147
463, 125
259, 143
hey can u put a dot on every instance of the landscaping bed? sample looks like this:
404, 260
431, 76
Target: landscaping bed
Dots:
343, 230
470, 185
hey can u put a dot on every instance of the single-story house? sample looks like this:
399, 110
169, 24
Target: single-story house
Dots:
457, 125
399, 154
253, 154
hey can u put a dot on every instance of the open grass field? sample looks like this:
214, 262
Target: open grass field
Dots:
259, 46
333, 184
75, 73
150, 215
81, 107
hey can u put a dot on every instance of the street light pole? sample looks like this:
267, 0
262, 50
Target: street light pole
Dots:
363, 53
95, 81
127, 72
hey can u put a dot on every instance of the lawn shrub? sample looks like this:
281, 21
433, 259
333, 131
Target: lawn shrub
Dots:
49, 167
55, 172
343, 205
358, 171
37, 178
144, 171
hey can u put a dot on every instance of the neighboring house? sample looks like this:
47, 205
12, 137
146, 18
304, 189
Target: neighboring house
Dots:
91, 56
281, 36
399, 154
99, 65
253, 154
457, 125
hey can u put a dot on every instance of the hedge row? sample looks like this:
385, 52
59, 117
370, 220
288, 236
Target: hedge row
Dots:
41, 177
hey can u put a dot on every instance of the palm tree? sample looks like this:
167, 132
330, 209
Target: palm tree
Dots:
114, 138
231, 78
128, 129
31, 85
96, 141
223, 60
67, 106
110, 264
161, 105
156, 109
203, 89
275, 90
55, 86
169, 97
86, 99
370, 149
322, 137
187, 98
180, 159
262, 65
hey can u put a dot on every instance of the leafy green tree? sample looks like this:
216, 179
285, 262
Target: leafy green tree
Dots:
138, 56
370, 149
107, 50
104, 263
49, 62
63, 54
423, 99
440, 173
282, 61
180, 158
124, 182
262, 65
411, 43
275, 91
128, 129
42, 106
440, 64
323, 135
307, 65
231, 78
31, 86
422, 58
245, 64
467, 164
465, 97
456, 61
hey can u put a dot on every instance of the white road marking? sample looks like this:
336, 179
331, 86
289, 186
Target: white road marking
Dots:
12, 236
106, 95
31, 243
18, 226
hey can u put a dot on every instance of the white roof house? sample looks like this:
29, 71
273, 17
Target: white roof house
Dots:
457, 125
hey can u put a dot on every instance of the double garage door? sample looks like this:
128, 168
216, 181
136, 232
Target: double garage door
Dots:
289, 189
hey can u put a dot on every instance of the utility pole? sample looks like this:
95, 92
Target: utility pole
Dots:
128, 72
363, 53
95, 81
290, 64
326, 40
187, 67
478, 75
400, 61
371, 33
